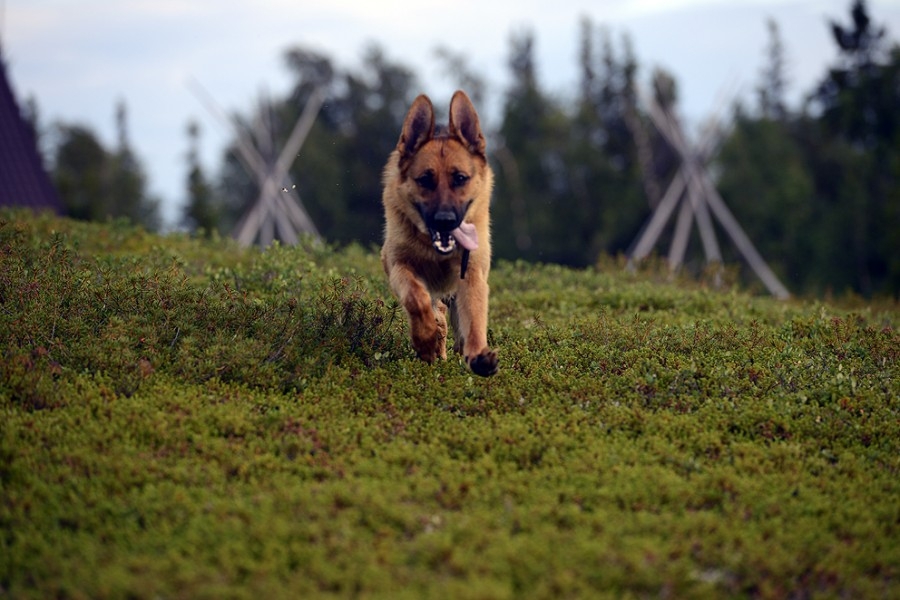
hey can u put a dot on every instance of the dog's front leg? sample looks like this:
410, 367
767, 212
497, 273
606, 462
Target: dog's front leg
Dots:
427, 321
470, 324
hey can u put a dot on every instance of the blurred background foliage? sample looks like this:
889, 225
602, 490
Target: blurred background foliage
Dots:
815, 186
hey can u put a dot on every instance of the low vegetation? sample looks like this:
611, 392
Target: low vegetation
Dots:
187, 419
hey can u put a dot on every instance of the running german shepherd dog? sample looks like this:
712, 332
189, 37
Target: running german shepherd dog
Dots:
437, 240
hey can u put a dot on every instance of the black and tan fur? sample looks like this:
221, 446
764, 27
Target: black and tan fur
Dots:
436, 179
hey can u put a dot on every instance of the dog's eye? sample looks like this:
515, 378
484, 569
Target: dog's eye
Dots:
427, 180
459, 179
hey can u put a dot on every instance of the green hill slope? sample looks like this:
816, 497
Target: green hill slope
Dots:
186, 419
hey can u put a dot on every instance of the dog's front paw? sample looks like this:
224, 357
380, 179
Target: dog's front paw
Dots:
430, 347
484, 364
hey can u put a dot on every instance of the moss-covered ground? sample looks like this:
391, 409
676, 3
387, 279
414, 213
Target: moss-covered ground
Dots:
187, 419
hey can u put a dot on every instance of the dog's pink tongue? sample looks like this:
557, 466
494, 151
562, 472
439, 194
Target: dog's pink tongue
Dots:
466, 235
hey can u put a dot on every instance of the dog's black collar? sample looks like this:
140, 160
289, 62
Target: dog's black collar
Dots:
465, 255
464, 264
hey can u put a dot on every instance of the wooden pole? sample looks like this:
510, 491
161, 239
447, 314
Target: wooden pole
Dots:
744, 245
678, 247
658, 219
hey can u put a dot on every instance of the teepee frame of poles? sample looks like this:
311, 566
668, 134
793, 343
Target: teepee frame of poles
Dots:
277, 212
693, 193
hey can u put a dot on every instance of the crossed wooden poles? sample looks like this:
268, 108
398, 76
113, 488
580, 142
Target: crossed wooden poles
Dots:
278, 210
693, 192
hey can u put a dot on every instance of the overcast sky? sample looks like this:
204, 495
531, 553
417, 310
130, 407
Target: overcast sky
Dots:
78, 58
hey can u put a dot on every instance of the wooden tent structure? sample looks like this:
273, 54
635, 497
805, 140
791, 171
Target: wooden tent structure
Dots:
23, 180
278, 212
695, 196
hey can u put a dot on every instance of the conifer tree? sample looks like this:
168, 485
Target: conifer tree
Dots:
201, 212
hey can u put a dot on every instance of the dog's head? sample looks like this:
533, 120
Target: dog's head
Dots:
443, 168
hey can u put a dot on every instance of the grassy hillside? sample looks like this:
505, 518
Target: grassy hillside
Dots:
184, 419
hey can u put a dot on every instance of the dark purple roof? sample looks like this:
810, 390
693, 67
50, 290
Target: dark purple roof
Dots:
23, 180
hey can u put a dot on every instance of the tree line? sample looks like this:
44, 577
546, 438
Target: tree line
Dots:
815, 186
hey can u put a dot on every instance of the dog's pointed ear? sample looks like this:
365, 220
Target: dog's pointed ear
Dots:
418, 127
464, 123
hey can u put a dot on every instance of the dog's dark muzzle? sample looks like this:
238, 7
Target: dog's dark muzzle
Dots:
440, 224
444, 220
